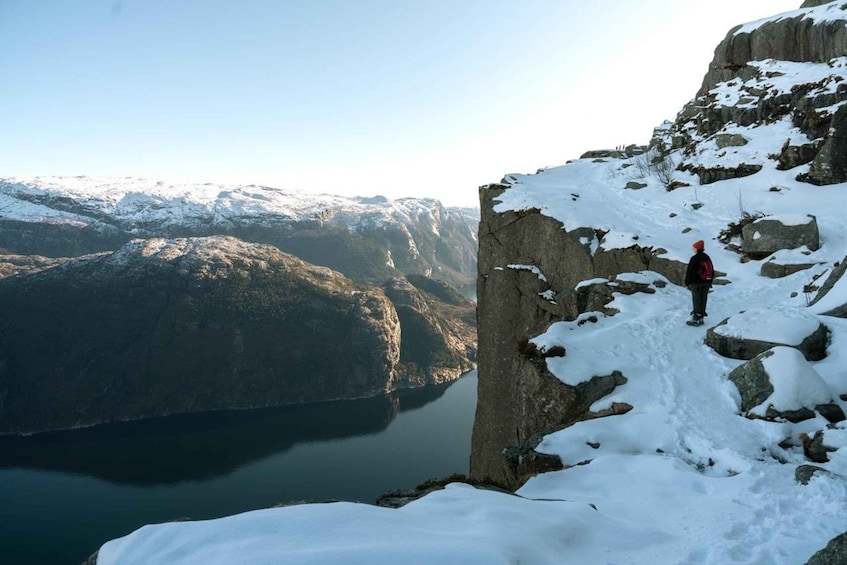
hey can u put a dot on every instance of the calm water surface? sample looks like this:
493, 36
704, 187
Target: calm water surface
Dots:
62, 495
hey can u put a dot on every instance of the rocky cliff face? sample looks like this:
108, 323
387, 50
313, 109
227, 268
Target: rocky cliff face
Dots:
788, 68
167, 326
784, 73
529, 267
798, 38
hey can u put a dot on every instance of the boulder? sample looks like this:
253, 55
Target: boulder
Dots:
723, 140
804, 473
774, 270
780, 383
633, 185
773, 233
795, 155
835, 552
752, 332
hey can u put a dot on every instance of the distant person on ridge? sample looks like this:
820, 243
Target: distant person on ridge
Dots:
698, 279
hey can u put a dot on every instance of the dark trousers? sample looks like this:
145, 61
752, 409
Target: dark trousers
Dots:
699, 296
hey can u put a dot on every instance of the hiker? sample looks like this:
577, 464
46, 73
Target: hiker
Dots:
698, 279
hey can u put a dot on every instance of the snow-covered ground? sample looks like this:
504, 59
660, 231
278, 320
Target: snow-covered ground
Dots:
684, 477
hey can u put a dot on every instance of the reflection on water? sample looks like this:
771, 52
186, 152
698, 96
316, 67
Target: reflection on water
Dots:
197, 446
64, 494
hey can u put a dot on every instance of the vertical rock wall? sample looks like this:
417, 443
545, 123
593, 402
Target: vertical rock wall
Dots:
517, 396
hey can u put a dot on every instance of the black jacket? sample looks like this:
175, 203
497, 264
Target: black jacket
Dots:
692, 274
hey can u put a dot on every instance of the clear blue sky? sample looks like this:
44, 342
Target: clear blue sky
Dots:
394, 97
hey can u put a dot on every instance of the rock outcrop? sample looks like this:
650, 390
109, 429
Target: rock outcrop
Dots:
798, 38
771, 234
186, 325
529, 267
742, 88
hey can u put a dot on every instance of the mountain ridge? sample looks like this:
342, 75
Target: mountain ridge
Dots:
365, 238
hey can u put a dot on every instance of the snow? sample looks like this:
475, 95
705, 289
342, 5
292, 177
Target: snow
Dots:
683, 477
796, 384
788, 219
590, 282
830, 12
531, 268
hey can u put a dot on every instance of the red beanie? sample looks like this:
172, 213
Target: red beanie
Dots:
699, 245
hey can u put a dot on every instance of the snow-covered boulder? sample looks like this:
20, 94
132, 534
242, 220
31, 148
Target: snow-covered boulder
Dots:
780, 383
786, 231
832, 298
754, 331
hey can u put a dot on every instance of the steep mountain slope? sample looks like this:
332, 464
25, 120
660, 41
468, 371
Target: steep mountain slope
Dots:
364, 238
167, 326
629, 436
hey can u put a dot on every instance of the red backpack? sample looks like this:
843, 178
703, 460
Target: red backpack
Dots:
706, 270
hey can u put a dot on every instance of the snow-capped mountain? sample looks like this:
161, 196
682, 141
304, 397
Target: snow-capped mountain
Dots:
628, 436
364, 238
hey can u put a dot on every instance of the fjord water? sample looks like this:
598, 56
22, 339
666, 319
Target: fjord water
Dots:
64, 494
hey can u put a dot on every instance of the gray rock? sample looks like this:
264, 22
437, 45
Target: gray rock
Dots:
815, 449
633, 185
804, 473
774, 270
599, 386
835, 552
752, 382
795, 155
709, 175
730, 140
831, 412
769, 235
794, 416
